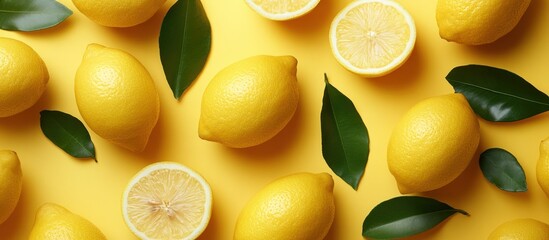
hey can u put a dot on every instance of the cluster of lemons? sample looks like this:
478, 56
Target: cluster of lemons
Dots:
117, 99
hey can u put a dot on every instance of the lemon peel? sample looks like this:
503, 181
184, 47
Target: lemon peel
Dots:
297, 206
11, 183
116, 97
433, 143
476, 22
23, 77
250, 101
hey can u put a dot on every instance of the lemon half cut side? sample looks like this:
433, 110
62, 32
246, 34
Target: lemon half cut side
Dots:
167, 200
372, 37
281, 10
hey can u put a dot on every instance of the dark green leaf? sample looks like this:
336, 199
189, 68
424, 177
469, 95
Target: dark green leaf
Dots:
185, 41
68, 133
503, 170
405, 216
497, 94
345, 141
31, 15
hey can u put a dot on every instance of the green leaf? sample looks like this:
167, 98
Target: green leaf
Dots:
185, 41
68, 133
31, 15
497, 94
405, 216
503, 170
345, 141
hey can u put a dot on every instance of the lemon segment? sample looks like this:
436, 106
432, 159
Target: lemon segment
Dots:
23, 77
167, 200
11, 183
433, 143
282, 9
372, 37
297, 206
54, 222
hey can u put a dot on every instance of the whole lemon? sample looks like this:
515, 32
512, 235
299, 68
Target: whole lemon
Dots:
54, 222
542, 167
23, 77
118, 13
250, 101
298, 206
521, 229
10, 183
433, 143
475, 22
116, 96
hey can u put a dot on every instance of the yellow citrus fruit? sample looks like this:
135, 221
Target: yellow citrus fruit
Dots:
282, 9
116, 96
433, 143
167, 200
521, 229
118, 13
475, 22
10, 183
372, 37
542, 167
23, 77
250, 101
54, 222
298, 206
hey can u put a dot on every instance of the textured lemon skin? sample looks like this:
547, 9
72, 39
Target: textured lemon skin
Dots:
116, 96
298, 206
433, 143
11, 183
54, 222
542, 167
250, 101
476, 22
23, 77
521, 229
118, 13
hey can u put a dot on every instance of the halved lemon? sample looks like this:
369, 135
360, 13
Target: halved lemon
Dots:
167, 200
372, 37
282, 9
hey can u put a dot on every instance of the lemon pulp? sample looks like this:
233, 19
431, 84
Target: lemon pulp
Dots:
372, 37
167, 201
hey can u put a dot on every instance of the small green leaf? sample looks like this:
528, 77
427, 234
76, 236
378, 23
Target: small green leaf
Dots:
497, 94
405, 216
345, 141
503, 170
185, 41
68, 133
31, 15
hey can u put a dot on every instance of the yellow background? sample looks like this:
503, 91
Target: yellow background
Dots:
94, 190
